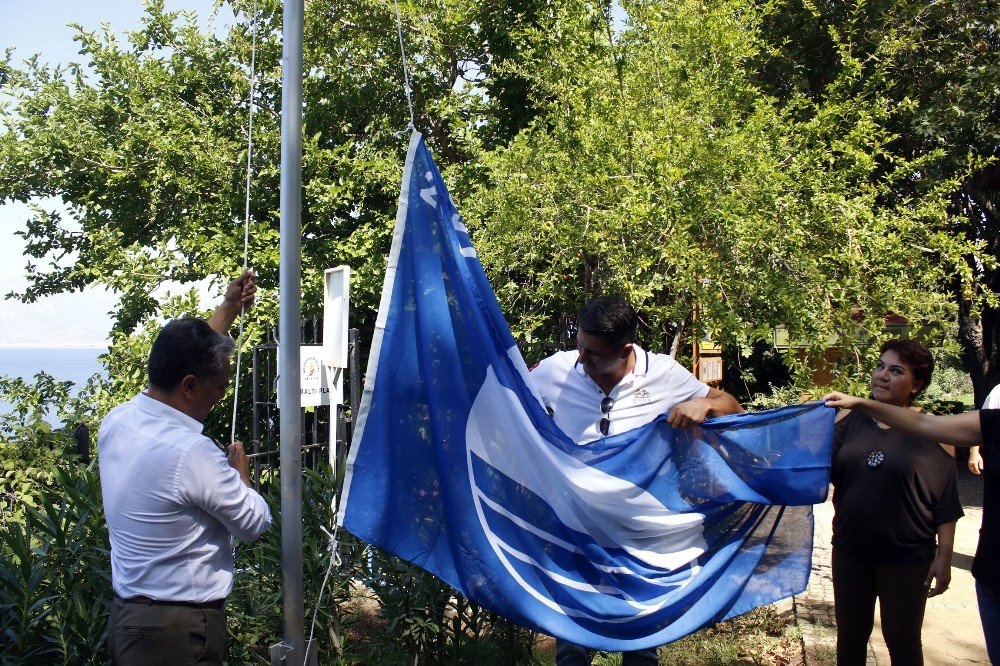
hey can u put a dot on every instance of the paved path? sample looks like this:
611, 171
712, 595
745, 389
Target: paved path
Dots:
952, 633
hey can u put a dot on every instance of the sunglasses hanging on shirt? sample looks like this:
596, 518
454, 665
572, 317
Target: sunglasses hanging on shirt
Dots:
607, 404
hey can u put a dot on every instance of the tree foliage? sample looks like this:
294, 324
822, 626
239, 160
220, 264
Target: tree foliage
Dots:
55, 587
729, 166
32, 450
142, 147
662, 167
942, 72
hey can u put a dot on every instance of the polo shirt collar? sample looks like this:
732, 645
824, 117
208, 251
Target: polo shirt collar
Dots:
641, 361
158, 409
640, 368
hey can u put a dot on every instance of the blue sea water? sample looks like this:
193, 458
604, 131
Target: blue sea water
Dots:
65, 364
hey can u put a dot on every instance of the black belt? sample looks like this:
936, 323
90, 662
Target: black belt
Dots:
217, 603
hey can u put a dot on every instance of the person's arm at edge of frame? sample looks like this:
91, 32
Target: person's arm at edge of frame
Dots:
692, 412
956, 429
940, 571
239, 295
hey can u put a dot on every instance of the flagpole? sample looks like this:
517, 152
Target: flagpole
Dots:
289, 315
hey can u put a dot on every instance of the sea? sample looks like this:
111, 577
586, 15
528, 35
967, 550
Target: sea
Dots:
75, 364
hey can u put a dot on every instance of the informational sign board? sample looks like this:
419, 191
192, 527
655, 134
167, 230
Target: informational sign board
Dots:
336, 306
320, 385
710, 369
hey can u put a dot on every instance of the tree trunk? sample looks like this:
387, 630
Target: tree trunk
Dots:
979, 328
976, 357
678, 338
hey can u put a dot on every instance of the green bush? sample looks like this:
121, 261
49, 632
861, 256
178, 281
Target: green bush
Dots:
31, 448
950, 391
55, 587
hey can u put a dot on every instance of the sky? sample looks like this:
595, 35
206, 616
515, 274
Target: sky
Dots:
41, 26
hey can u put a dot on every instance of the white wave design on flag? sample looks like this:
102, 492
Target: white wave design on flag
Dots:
613, 512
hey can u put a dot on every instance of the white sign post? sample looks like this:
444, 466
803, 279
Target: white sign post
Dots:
336, 307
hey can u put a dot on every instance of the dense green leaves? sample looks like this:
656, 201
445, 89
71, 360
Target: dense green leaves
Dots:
32, 450
664, 170
937, 65
55, 587
760, 163
147, 152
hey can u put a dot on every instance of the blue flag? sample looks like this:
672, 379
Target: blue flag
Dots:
630, 542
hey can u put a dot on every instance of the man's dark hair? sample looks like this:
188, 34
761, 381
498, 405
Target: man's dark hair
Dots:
915, 355
187, 346
611, 317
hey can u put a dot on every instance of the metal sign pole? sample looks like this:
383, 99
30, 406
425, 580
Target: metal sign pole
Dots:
291, 651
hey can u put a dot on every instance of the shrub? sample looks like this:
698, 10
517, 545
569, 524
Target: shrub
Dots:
31, 448
55, 587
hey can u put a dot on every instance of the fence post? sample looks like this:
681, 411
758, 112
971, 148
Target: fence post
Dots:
354, 360
81, 433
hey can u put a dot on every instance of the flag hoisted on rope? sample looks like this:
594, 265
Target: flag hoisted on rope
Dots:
629, 542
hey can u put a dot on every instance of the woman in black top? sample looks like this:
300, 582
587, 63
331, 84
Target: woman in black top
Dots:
896, 503
965, 429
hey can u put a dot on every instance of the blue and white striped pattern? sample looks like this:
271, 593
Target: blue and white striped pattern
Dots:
630, 542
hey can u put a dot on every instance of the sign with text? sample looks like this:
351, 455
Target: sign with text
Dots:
320, 385
710, 369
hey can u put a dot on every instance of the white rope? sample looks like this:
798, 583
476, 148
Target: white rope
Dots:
332, 544
406, 74
334, 562
246, 215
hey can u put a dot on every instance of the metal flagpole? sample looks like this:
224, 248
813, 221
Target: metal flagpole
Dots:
290, 419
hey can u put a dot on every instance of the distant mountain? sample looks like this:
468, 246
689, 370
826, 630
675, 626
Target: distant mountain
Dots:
64, 320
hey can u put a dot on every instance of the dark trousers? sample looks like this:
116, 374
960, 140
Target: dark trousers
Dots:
902, 597
989, 612
144, 634
569, 654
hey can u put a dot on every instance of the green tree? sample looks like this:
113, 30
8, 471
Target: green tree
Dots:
950, 68
943, 66
661, 168
690, 156
143, 147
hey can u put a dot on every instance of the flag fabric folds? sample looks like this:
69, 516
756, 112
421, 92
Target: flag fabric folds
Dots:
629, 542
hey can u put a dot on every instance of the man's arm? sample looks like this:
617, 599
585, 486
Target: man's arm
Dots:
693, 412
958, 429
238, 460
239, 295
221, 486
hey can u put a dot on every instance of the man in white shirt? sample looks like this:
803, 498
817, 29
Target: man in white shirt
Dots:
174, 501
610, 385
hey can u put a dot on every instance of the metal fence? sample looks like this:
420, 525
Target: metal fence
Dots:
316, 423
316, 431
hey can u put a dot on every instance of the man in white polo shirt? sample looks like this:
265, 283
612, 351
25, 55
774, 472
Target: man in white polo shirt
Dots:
610, 385
174, 501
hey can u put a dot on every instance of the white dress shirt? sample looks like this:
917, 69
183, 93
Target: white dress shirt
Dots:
993, 399
656, 384
172, 503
